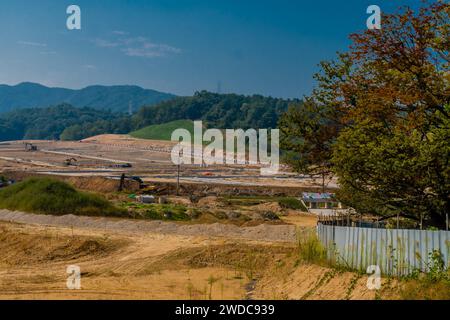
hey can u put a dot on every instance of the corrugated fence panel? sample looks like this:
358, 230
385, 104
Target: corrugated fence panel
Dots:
396, 252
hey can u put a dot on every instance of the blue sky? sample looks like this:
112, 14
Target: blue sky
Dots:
179, 46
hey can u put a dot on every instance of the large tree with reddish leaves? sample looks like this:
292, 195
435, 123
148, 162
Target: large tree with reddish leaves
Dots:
384, 111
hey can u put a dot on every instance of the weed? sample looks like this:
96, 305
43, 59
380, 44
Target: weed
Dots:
211, 281
352, 286
310, 248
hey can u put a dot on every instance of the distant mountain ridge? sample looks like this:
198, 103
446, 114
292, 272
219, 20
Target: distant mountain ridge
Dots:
115, 98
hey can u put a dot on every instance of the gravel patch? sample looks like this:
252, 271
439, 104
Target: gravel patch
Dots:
263, 232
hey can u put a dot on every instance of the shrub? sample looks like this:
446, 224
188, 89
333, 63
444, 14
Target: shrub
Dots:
292, 203
310, 248
166, 212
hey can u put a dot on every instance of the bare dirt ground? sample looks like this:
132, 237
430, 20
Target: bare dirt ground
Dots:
113, 266
137, 259
150, 159
124, 263
262, 232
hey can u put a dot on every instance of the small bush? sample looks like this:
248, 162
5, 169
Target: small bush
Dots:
310, 248
424, 288
292, 203
51, 196
167, 212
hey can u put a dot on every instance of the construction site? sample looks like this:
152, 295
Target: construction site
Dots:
110, 156
186, 232
230, 210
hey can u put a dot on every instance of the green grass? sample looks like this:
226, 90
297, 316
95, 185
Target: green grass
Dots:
169, 212
163, 131
284, 202
310, 249
292, 203
51, 196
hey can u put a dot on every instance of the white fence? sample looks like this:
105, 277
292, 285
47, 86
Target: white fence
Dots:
395, 251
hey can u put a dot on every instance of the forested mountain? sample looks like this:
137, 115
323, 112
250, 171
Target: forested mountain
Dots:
62, 121
115, 98
216, 110
66, 122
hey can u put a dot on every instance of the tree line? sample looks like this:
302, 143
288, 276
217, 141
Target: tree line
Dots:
66, 122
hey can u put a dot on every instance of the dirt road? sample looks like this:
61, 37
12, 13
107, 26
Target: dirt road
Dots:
263, 232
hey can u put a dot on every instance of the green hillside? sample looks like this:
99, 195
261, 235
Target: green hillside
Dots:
217, 111
163, 131
50, 196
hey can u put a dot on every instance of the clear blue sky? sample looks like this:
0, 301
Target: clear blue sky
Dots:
179, 46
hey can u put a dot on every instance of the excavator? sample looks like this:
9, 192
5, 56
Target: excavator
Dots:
70, 162
30, 147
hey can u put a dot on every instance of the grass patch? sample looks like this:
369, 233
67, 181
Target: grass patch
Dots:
163, 131
170, 212
284, 202
51, 196
425, 289
292, 203
433, 285
310, 249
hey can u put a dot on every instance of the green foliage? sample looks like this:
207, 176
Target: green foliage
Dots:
216, 110
437, 270
50, 196
118, 124
170, 212
63, 121
387, 172
435, 284
379, 119
292, 203
310, 249
285, 202
163, 131
309, 129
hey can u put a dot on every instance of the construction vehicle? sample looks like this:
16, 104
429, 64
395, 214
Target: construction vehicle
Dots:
122, 165
123, 178
70, 162
30, 147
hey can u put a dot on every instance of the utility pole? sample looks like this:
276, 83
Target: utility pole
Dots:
178, 172
219, 87
178, 179
446, 218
